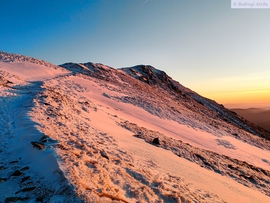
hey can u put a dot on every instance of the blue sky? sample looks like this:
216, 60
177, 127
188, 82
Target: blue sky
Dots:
205, 45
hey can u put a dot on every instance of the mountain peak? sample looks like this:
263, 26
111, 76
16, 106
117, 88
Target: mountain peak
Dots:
85, 67
152, 76
147, 74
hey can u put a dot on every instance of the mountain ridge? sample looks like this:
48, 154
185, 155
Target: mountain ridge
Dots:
122, 135
152, 76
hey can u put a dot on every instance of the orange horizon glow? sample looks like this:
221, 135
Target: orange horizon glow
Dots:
242, 99
242, 91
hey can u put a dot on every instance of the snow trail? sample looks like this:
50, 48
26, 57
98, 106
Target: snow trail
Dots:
21, 164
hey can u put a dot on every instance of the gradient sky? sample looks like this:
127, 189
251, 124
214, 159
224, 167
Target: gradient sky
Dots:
219, 52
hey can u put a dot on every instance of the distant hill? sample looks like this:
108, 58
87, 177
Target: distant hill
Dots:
260, 117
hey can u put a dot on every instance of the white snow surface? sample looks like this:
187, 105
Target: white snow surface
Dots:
29, 71
89, 157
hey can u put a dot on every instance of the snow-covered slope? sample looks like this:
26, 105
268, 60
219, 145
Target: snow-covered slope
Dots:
92, 133
27, 68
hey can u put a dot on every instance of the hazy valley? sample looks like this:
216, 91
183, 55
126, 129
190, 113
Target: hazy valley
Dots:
258, 116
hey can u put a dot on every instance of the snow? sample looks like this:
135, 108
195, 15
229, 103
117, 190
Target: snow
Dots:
104, 123
29, 71
89, 156
173, 129
16, 147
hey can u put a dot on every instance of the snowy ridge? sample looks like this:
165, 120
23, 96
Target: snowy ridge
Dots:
150, 75
8, 57
230, 116
195, 102
90, 133
85, 67
26, 69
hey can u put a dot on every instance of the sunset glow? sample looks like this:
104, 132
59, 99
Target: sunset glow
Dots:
247, 91
257, 98
219, 52
150, 101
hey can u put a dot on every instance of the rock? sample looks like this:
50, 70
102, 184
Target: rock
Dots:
28, 189
15, 199
12, 199
39, 199
103, 154
44, 138
235, 134
17, 173
106, 95
25, 179
13, 162
3, 180
2, 168
137, 135
38, 145
156, 141
25, 168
